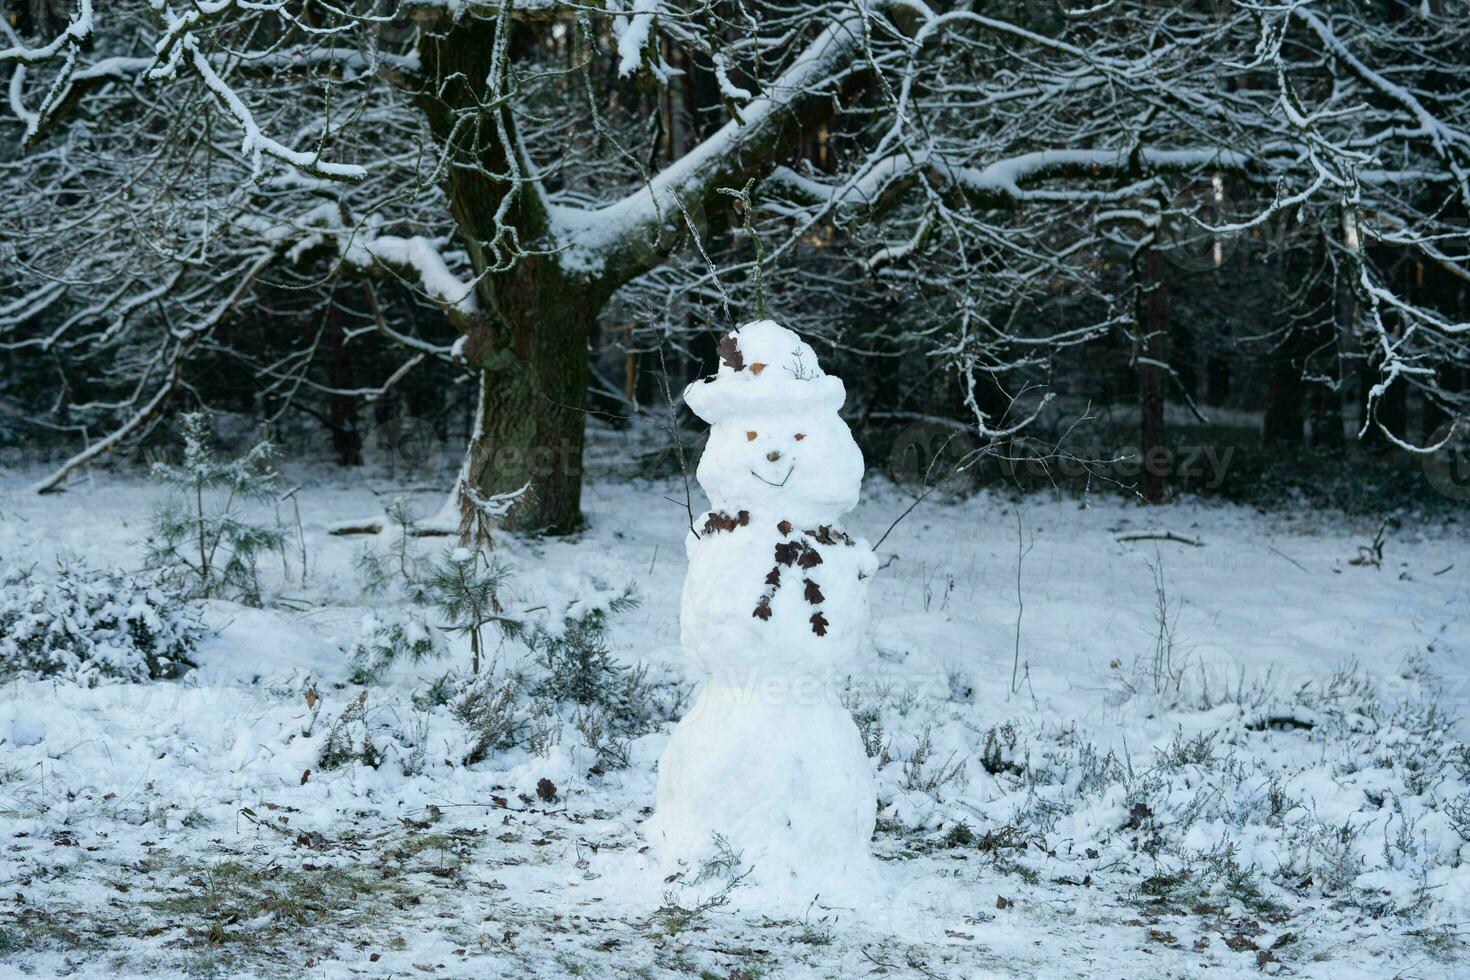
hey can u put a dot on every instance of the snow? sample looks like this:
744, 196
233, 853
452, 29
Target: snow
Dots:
722, 76
632, 32
768, 758
1006, 176
254, 144
147, 786
422, 257
777, 446
78, 29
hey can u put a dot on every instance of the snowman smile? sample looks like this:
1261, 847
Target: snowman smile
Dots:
789, 471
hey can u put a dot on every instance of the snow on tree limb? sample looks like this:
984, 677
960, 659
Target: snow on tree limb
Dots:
419, 258
1451, 143
176, 43
255, 144
78, 29
620, 233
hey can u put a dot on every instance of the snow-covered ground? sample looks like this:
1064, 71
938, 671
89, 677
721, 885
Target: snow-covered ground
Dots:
1272, 783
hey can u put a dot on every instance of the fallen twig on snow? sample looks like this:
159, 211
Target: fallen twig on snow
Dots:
1160, 536
376, 525
1287, 557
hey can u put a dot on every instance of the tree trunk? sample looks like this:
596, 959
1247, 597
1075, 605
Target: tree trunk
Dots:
1217, 379
534, 369
1184, 356
341, 408
529, 337
1326, 417
1283, 424
529, 341
1153, 379
1304, 313
1326, 406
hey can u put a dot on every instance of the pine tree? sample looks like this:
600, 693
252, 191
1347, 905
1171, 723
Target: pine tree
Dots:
465, 585
201, 537
384, 639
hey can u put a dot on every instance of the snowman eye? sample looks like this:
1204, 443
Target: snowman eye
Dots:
750, 436
800, 436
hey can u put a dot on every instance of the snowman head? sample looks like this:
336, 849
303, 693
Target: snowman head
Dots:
777, 446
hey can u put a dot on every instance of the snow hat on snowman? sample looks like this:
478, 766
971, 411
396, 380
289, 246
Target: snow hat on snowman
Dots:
764, 368
776, 441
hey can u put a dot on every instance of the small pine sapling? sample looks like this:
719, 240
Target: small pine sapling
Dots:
201, 538
379, 567
465, 585
578, 662
383, 640
615, 703
403, 558
440, 692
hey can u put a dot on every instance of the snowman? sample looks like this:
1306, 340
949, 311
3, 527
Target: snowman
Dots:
768, 761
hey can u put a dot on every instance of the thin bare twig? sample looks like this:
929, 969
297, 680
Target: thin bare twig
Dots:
1022, 550
678, 438
1281, 554
917, 501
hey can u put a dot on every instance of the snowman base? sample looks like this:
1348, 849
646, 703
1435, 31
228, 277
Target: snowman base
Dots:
785, 784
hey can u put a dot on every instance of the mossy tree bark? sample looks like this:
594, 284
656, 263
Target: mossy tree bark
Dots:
534, 369
529, 338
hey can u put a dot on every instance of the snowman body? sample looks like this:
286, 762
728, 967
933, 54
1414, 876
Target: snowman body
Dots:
774, 607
